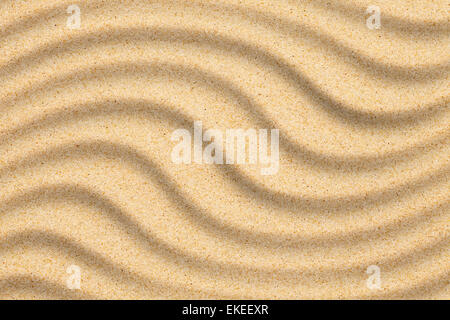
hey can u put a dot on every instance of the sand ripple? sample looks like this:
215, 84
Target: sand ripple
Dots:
87, 180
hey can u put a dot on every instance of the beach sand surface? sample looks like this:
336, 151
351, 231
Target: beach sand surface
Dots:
88, 186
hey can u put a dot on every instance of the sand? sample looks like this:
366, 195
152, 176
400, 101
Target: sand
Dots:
87, 180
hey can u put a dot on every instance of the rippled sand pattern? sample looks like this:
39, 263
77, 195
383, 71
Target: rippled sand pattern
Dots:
86, 176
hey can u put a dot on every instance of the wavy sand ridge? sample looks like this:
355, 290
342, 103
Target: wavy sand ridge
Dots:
86, 172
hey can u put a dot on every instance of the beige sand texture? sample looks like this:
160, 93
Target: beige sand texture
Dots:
86, 176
